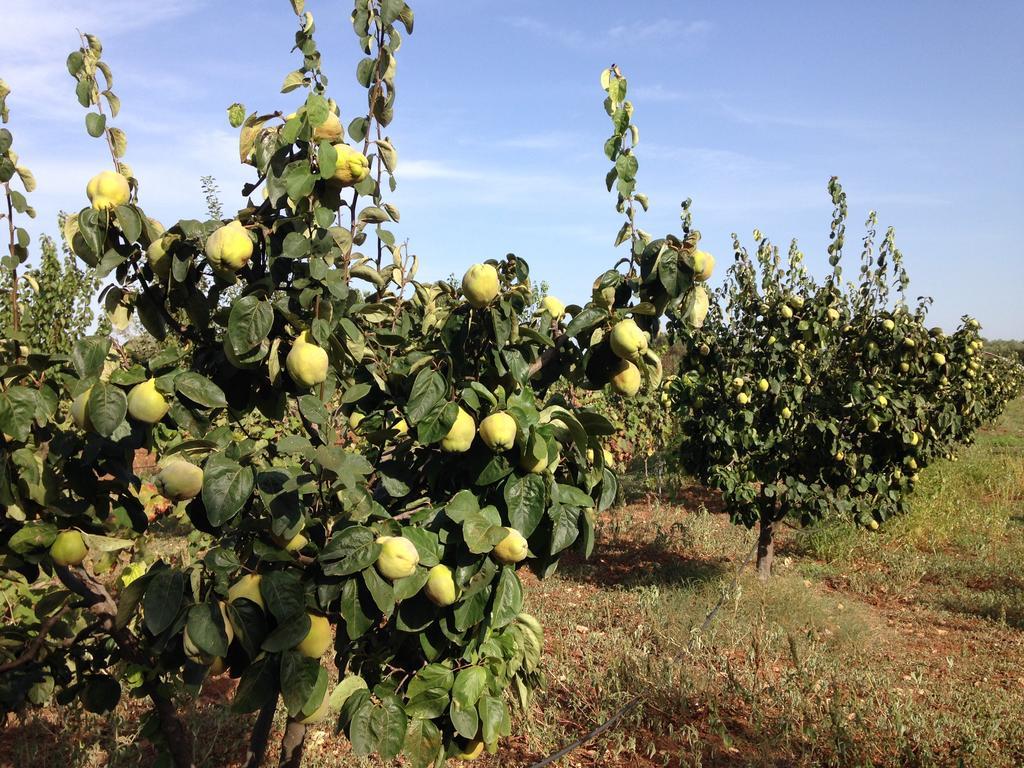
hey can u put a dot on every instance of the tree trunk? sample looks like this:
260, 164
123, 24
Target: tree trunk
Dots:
291, 745
765, 549
179, 742
260, 735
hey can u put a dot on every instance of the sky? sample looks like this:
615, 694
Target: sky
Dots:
748, 108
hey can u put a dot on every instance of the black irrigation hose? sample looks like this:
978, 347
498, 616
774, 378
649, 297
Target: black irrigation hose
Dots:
633, 703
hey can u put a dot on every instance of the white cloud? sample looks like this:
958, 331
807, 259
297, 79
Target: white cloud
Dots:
660, 30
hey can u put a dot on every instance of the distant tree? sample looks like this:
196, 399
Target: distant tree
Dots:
1010, 348
55, 300
212, 194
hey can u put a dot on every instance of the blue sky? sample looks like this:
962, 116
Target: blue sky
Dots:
748, 108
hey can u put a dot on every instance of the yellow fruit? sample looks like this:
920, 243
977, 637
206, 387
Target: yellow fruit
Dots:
938, 358
80, 410
471, 751
786, 413
480, 285
703, 265
840, 455
318, 639
145, 404
498, 431
763, 385
882, 401
553, 307
888, 324
627, 379
873, 525
460, 436
179, 479
627, 340
247, 587
512, 549
294, 544
742, 398
531, 464
307, 363
159, 259
904, 367
108, 190
319, 714
787, 312
833, 314
351, 166
440, 586
68, 548
354, 419
330, 129
398, 557
698, 307
401, 427
229, 247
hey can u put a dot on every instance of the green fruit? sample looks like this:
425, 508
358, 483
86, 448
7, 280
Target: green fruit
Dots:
471, 750
498, 431
306, 362
938, 358
888, 324
480, 285
512, 549
398, 557
318, 639
80, 411
247, 587
146, 404
107, 190
627, 379
229, 247
440, 587
159, 259
68, 548
319, 714
351, 166
460, 436
627, 340
179, 480
904, 367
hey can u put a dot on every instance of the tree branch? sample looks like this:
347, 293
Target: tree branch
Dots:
292, 744
260, 734
33, 648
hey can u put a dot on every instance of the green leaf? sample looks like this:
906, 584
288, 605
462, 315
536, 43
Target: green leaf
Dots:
466, 721
470, 684
129, 222
283, 595
107, 408
200, 390
227, 486
32, 535
423, 744
312, 409
508, 598
349, 551
95, 124
428, 389
299, 676
288, 634
494, 718
165, 595
344, 689
585, 320
381, 591
525, 499
236, 115
89, 354
565, 527
100, 694
206, 629
258, 686
249, 323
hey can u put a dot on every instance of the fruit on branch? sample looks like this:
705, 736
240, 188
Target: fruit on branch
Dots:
498, 431
195, 653
552, 307
888, 324
511, 549
108, 190
440, 587
833, 314
460, 436
786, 412
68, 548
319, 714
938, 358
627, 379
401, 427
480, 285
158, 257
787, 312
471, 750
627, 340
247, 587
529, 460
355, 418
351, 166
742, 398
229, 247
398, 557
307, 362
179, 479
80, 410
146, 404
294, 544
330, 129
318, 639
703, 265
763, 385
